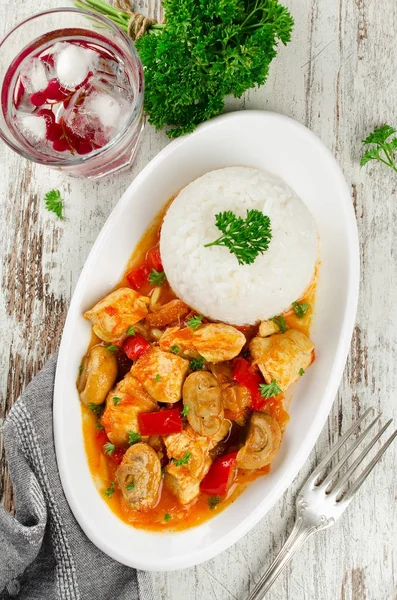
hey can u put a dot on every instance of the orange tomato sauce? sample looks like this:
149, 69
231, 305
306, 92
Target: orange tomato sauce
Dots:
169, 514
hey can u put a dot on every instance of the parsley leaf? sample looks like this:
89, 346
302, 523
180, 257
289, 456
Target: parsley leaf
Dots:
197, 364
269, 390
109, 448
382, 148
175, 349
184, 460
133, 437
112, 348
116, 400
54, 202
167, 517
195, 321
280, 322
131, 331
99, 426
213, 501
245, 238
96, 409
110, 491
157, 277
300, 309
157, 378
301, 372
130, 486
185, 410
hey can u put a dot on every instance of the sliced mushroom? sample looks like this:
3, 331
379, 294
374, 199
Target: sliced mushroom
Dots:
139, 477
262, 443
203, 398
98, 374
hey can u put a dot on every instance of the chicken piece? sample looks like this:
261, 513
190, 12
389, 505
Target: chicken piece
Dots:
262, 443
123, 405
192, 451
267, 328
171, 312
215, 342
280, 357
203, 398
139, 477
236, 398
97, 377
119, 310
161, 374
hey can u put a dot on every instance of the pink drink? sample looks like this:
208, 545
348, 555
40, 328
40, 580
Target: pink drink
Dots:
73, 99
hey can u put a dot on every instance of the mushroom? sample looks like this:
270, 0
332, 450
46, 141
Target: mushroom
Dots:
203, 398
139, 477
98, 374
262, 443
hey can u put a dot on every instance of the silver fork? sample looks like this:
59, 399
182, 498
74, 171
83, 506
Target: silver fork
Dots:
324, 497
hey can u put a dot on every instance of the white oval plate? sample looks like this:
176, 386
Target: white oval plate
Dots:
257, 139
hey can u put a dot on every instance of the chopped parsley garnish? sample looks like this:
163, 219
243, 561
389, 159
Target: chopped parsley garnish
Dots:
245, 238
382, 148
131, 331
269, 390
185, 411
99, 426
195, 321
184, 460
112, 348
96, 409
197, 364
300, 309
157, 378
167, 517
133, 437
301, 372
213, 501
110, 491
130, 486
175, 349
116, 400
54, 202
157, 277
109, 448
280, 322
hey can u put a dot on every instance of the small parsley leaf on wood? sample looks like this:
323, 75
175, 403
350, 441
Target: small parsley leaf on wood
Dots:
195, 321
110, 491
157, 277
269, 390
245, 238
380, 147
54, 202
300, 309
280, 322
133, 437
109, 448
184, 460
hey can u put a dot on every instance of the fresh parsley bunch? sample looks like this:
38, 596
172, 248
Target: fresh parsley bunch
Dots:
379, 146
207, 50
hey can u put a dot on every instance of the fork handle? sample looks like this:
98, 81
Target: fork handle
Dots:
299, 534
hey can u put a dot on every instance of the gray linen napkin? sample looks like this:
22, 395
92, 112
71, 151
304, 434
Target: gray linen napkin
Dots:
43, 552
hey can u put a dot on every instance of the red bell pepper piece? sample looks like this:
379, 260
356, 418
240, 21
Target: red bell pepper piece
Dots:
154, 259
220, 476
135, 345
118, 453
247, 375
160, 423
139, 276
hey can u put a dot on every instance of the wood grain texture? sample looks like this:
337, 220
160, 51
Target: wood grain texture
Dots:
338, 78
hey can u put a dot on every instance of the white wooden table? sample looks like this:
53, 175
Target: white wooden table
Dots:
338, 77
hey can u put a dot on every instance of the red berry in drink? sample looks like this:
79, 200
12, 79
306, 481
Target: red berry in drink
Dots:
38, 98
54, 132
54, 91
83, 148
61, 145
18, 94
48, 115
48, 59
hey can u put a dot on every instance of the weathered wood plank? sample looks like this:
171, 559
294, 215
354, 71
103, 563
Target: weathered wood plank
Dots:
338, 78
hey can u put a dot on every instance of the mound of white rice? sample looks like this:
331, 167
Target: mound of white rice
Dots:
210, 279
